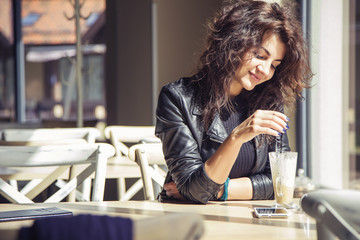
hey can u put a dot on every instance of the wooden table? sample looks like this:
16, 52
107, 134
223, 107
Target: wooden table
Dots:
222, 220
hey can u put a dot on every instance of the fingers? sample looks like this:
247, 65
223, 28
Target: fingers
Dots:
277, 125
270, 122
278, 115
269, 114
169, 186
172, 191
261, 122
269, 131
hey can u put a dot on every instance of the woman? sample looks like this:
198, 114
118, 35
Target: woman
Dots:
218, 126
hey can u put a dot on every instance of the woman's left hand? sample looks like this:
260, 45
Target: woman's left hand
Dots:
172, 191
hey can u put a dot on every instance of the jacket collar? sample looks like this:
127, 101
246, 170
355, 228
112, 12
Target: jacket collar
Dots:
217, 131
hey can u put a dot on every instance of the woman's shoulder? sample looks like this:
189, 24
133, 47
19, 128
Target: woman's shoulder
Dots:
185, 87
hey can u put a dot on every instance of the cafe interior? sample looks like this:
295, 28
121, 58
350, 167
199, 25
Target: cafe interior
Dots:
79, 159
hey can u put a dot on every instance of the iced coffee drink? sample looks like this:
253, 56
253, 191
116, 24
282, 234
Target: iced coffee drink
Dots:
283, 171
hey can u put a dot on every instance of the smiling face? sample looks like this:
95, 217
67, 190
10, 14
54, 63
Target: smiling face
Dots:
259, 64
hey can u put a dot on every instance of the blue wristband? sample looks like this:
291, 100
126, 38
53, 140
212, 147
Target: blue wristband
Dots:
225, 194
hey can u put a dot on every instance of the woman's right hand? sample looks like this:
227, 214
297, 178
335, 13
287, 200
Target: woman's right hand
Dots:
261, 122
172, 191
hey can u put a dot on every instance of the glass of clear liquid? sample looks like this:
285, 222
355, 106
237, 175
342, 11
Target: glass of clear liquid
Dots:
283, 171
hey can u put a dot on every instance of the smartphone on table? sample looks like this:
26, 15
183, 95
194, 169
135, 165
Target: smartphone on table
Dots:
271, 212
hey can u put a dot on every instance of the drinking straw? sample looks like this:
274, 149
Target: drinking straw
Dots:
278, 145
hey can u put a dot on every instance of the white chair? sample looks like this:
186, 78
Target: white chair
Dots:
121, 137
89, 134
150, 158
45, 136
64, 156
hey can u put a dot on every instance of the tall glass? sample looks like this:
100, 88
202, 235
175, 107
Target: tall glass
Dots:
283, 171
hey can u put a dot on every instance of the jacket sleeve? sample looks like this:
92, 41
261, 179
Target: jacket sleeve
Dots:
181, 149
262, 182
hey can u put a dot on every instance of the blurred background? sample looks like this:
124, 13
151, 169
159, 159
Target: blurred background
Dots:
130, 49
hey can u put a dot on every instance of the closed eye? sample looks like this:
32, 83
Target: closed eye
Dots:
268, 53
262, 58
258, 56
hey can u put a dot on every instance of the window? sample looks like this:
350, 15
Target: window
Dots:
354, 93
30, 19
92, 19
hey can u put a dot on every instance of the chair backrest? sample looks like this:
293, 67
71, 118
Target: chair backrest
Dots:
51, 136
89, 134
95, 155
153, 152
150, 158
47, 155
121, 135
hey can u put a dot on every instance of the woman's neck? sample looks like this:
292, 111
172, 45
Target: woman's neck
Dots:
235, 89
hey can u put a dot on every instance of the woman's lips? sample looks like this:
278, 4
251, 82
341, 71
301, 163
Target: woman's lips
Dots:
254, 76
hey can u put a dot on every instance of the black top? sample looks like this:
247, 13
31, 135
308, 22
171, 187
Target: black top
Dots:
247, 156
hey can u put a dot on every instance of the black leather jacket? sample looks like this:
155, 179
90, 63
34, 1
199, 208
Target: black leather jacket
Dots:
187, 146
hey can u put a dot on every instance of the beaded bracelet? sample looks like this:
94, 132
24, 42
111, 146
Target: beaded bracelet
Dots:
225, 194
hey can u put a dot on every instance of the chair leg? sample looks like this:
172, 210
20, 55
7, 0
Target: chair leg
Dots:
157, 188
85, 189
71, 185
14, 184
99, 179
146, 175
72, 173
46, 182
121, 185
136, 187
30, 185
12, 194
78, 195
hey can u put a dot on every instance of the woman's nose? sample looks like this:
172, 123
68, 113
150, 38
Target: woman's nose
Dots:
264, 68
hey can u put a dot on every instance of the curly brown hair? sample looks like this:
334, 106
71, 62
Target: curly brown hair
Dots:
238, 27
